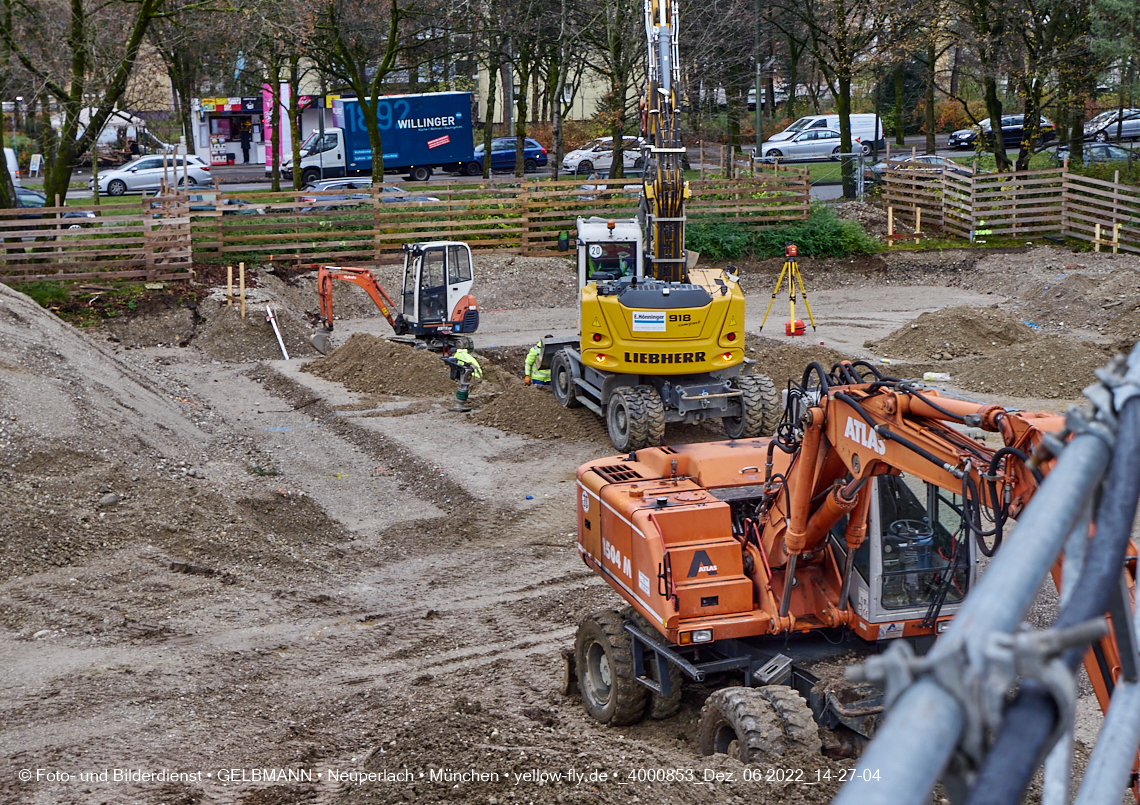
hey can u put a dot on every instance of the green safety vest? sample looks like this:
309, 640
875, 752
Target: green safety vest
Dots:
533, 358
466, 358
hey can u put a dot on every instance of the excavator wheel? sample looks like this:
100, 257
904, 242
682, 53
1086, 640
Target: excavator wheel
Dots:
757, 725
562, 380
603, 659
658, 707
635, 417
761, 408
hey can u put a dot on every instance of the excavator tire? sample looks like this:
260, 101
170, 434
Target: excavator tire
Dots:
761, 409
758, 725
635, 417
562, 380
603, 659
741, 722
658, 707
801, 732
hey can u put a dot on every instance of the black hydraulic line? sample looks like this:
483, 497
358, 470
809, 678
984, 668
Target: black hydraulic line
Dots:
816, 368
1020, 456
883, 431
870, 366
1032, 717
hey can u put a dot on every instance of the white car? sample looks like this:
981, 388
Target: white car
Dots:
810, 144
145, 174
598, 155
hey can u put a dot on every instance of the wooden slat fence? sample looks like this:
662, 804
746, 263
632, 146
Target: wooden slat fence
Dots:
1089, 202
147, 240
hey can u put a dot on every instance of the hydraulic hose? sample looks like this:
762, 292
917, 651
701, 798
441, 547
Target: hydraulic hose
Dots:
883, 431
1032, 717
816, 368
937, 407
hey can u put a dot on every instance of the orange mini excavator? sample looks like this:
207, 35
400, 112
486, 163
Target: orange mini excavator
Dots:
436, 309
863, 520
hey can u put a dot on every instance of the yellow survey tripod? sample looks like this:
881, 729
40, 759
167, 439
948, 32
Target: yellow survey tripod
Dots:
791, 270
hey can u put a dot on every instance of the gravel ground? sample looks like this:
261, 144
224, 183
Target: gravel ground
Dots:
213, 560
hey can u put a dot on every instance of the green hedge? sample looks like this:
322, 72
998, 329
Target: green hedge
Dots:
822, 234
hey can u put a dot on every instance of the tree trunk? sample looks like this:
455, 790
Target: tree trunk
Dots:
900, 110
931, 61
954, 74
295, 116
489, 117
843, 107
7, 186
522, 108
275, 122
994, 110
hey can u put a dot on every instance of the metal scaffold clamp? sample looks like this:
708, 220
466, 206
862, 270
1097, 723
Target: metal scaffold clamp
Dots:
981, 689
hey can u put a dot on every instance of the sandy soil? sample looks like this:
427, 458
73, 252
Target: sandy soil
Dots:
213, 560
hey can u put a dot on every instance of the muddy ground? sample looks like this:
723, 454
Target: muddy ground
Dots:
214, 560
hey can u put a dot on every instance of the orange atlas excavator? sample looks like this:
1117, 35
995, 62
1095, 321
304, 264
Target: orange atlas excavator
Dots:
436, 309
863, 520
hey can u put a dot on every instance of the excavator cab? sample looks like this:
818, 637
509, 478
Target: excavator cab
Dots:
437, 276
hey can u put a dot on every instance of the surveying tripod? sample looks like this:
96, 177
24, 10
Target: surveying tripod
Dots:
791, 270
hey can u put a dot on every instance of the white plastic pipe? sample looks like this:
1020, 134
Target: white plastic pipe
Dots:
269, 317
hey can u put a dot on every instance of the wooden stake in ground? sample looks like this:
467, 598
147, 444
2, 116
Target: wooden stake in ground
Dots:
230, 286
241, 286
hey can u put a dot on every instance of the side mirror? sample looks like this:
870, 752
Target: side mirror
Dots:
563, 241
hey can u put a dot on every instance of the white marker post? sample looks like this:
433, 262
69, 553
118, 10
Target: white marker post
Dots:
269, 317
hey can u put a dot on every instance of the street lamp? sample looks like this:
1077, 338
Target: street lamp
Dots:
20, 100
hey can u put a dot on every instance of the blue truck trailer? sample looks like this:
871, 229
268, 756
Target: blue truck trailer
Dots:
419, 133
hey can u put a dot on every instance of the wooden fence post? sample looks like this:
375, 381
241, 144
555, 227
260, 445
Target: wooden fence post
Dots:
524, 214
702, 157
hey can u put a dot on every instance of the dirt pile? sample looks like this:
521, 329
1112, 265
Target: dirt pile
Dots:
871, 218
533, 411
506, 282
782, 361
1051, 366
954, 333
375, 365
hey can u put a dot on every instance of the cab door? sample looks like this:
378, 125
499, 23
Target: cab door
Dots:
432, 286
459, 275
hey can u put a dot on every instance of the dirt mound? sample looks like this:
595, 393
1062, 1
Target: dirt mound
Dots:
533, 411
871, 218
223, 335
782, 362
1051, 366
375, 365
953, 333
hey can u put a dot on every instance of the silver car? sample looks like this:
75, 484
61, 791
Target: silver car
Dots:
145, 174
810, 144
1113, 124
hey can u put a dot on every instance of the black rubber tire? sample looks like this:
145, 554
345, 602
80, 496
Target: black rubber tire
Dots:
775, 153
188, 182
639, 163
473, 169
835, 152
865, 149
562, 380
603, 657
761, 408
626, 420
420, 173
758, 725
585, 166
530, 166
657, 707
1101, 137
654, 415
310, 176
117, 187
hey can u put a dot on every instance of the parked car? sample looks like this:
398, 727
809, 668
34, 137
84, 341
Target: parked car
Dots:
866, 130
1113, 125
202, 202
1012, 132
503, 156
146, 174
631, 189
1097, 153
810, 144
931, 162
355, 190
26, 198
598, 155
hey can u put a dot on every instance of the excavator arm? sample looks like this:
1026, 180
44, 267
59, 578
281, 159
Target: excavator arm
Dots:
362, 278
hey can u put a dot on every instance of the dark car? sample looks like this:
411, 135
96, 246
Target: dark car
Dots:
921, 162
1097, 154
1012, 132
358, 190
503, 156
33, 199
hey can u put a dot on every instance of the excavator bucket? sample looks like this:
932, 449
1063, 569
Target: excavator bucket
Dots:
320, 340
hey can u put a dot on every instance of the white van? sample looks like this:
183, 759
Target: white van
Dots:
13, 166
866, 130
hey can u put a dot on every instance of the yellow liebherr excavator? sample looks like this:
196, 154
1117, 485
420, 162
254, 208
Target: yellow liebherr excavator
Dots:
667, 344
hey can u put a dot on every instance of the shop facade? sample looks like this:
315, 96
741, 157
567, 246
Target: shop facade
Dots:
222, 121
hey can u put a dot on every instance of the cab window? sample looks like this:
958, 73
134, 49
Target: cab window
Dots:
458, 265
432, 276
619, 258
